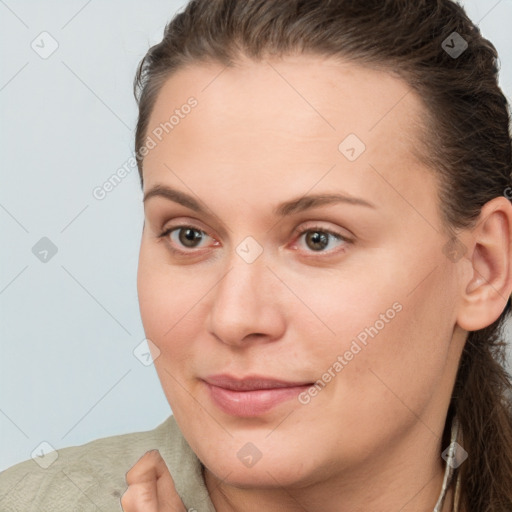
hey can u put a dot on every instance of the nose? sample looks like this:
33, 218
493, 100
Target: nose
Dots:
246, 306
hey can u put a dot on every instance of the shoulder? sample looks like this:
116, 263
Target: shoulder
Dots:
92, 476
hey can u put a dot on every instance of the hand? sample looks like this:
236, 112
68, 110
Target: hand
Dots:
151, 487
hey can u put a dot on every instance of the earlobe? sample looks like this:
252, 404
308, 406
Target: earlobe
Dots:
486, 291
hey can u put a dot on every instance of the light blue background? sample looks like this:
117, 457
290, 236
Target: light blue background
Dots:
69, 326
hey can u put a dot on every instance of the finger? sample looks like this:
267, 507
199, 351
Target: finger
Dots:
168, 498
144, 469
140, 498
141, 495
150, 481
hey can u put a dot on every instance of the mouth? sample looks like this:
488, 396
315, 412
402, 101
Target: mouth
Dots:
252, 395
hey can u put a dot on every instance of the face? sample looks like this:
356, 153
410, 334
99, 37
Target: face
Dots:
348, 302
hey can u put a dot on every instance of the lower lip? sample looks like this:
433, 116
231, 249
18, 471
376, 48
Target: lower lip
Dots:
252, 403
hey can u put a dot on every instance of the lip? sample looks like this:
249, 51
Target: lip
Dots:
252, 395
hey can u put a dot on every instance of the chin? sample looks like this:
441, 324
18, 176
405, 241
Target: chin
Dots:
275, 468
259, 476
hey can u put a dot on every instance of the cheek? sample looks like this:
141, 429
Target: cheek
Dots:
166, 303
346, 314
162, 291
400, 366
392, 339
169, 318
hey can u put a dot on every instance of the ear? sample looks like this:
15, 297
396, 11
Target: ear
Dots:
487, 285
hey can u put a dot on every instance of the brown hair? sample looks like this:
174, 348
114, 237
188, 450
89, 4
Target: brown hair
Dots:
467, 143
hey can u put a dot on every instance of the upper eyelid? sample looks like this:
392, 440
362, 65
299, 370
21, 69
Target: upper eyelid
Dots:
170, 229
299, 230
316, 227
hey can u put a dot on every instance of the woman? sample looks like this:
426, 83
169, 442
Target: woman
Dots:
325, 265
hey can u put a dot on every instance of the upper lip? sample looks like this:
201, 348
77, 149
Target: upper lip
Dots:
250, 383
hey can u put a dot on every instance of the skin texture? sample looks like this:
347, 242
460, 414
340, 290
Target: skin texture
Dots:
263, 133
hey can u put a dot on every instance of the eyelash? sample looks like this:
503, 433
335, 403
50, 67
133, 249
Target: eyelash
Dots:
298, 233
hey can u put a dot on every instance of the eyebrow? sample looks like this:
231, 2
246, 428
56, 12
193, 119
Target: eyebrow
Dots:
284, 209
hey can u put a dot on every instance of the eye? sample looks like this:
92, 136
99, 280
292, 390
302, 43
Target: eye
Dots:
185, 236
318, 238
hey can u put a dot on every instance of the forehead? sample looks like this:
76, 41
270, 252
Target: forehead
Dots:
280, 118
325, 92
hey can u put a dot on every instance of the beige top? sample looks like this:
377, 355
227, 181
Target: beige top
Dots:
91, 477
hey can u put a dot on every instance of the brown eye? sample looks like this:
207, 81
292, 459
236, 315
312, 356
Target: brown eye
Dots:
317, 240
189, 236
320, 240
